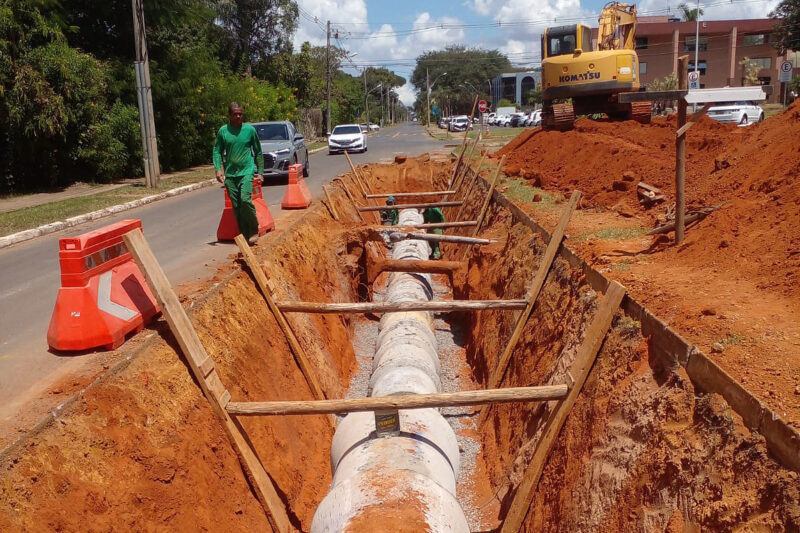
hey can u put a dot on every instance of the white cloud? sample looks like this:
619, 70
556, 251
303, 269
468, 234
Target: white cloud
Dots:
407, 94
717, 11
324, 10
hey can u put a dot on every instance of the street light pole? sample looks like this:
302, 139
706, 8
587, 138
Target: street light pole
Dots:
328, 69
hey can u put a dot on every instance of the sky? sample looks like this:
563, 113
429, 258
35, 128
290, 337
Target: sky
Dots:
392, 34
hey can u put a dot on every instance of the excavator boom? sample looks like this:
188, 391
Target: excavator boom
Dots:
616, 27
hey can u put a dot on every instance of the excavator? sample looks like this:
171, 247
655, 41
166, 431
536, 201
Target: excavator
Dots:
592, 79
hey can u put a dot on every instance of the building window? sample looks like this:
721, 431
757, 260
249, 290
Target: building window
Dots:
688, 45
641, 43
762, 62
755, 40
701, 66
642, 68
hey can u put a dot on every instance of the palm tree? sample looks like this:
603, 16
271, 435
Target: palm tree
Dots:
689, 14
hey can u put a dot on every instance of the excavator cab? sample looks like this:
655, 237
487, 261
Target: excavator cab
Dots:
579, 77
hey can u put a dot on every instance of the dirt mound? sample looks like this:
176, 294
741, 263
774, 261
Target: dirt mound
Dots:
754, 170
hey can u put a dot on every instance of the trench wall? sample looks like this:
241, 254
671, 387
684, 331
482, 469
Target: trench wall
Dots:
141, 449
643, 449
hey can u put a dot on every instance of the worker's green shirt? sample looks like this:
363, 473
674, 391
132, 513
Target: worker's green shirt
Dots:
238, 145
433, 215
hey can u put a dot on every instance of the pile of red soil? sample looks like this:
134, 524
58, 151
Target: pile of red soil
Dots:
754, 170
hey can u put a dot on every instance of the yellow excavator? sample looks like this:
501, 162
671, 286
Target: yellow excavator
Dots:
592, 79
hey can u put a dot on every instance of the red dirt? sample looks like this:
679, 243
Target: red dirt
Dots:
733, 283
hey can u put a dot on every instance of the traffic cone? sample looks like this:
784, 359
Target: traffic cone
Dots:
297, 194
228, 229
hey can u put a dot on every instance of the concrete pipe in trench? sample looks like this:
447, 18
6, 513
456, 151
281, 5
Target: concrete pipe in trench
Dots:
408, 477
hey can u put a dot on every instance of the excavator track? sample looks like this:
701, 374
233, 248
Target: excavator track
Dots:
558, 117
641, 112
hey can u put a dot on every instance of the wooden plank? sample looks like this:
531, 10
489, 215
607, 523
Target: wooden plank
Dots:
533, 294
330, 205
463, 144
463, 170
433, 237
485, 205
206, 366
693, 119
472, 183
408, 206
195, 353
652, 96
308, 370
379, 307
581, 366
361, 185
680, 155
420, 267
405, 401
410, 194
225, 399
350, 197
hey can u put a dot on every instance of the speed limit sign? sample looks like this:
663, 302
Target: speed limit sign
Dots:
786, 72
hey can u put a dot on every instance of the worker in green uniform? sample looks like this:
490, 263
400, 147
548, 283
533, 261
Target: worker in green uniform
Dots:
389, 217
238, 143
434, 215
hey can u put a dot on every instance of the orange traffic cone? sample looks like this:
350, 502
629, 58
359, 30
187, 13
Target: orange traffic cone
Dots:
297, 194
228, 229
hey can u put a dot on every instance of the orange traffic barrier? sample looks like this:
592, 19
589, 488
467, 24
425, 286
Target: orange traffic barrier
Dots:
228, 229
103, 295
297, 194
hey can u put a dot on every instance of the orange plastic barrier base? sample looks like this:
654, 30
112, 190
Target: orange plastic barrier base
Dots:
228, 229
103, 295
297, 196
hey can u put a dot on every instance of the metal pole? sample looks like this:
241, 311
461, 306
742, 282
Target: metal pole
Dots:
142, 103
328, 69
696, 47
366, 99
428, 83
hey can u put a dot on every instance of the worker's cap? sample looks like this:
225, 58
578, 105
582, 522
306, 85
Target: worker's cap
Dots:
390, 200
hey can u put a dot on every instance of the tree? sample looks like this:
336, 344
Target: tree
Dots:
749, 72
689, 14
258, 29
786, 32
533, 96
463, 66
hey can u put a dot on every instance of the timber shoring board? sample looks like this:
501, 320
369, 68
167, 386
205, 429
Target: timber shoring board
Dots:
485, 206
672, 349
408, 206
533, 294
402, 401
210, 384
581, 367
309, 373
437, 306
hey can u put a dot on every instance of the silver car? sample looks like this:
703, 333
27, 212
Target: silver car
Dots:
282, 146
741, 113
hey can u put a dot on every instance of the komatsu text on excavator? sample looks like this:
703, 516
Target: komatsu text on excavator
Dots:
592, 79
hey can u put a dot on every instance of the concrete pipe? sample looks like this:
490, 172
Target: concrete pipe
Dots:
400, 480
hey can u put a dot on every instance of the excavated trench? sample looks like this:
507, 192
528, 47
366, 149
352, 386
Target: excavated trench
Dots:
642, 448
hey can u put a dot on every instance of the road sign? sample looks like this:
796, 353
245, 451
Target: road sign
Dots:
482, 107
786, 72
694, 79
435, 110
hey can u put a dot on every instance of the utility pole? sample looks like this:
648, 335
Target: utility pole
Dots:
428, 84
144, 98
366, 98
696, 45
328, 69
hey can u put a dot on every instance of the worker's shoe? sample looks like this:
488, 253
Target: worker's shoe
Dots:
252, 240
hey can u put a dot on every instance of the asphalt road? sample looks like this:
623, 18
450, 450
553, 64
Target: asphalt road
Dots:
182, 233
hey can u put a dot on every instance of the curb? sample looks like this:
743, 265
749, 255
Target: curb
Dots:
29, 234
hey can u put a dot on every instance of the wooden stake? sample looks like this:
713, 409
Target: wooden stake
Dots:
350, 196
411, 194
463, 144
202, 367
469, 189
404, 401
680, 154
408, 206
309, 373
533, 293
582, 365
361, 184
433, 237
427, 225
331, 208
485, 204
463, 171
439, 306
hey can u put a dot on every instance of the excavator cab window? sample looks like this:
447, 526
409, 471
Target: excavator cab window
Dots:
561, 43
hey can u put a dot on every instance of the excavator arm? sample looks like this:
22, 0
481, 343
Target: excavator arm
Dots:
616, 27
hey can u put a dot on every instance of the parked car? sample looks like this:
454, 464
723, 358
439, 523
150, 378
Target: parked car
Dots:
502, 120
516, 120
459, 123
372, 126
347, 137
742, 113
282, 145
490, 118
364, 128
443, 122
534, 118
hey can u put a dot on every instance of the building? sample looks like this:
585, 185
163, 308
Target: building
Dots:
513, 86
723, 44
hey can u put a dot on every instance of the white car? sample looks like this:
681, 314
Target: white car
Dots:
534, 118
741, 113
459, 123
502, 121
490, 118
347, 137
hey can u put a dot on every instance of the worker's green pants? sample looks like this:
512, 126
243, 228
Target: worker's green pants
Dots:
435, 253
240, 191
